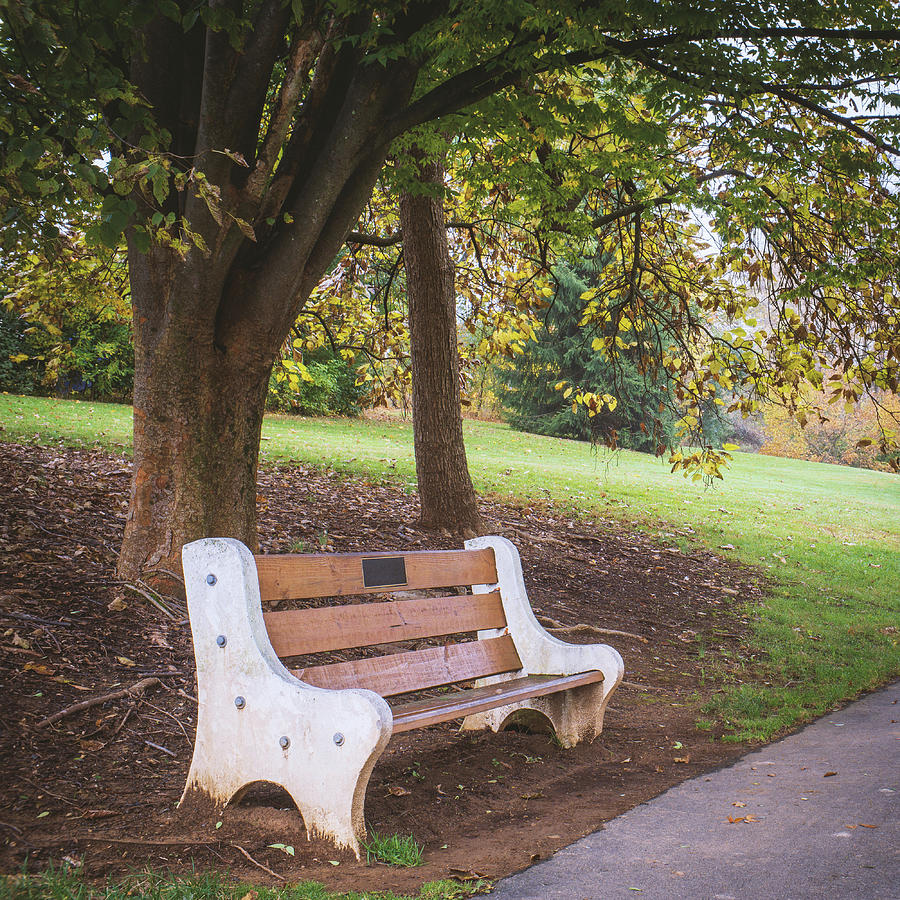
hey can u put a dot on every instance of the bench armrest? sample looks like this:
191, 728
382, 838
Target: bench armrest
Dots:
541, 653
256, 721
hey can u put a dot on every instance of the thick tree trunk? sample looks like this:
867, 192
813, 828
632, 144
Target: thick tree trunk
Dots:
238, 242
198, 411
446, 494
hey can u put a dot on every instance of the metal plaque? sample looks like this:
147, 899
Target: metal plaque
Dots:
384, 571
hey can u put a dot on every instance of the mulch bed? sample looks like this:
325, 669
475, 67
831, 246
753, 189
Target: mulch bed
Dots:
99, 787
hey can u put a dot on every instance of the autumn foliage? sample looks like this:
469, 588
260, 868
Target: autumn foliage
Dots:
840, 436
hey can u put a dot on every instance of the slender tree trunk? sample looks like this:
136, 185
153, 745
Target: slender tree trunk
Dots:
446, 494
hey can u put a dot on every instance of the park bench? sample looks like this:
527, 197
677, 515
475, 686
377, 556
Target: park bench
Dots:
318, 726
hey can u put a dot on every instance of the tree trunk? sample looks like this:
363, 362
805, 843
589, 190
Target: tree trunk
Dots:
198, 410
446, 494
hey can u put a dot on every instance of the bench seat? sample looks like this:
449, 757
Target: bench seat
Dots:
433, 710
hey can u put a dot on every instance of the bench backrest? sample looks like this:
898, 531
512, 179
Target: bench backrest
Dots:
300, 632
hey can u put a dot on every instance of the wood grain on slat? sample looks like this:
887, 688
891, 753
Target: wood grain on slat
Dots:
400, 673
464, 703
300, 576
294, 632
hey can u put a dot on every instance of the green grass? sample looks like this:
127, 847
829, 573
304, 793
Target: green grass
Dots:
65, 884
827, 536
393, 849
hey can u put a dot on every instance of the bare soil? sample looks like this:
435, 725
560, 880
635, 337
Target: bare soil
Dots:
101, 785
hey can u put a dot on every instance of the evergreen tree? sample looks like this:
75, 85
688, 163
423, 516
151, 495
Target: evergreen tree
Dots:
642, 418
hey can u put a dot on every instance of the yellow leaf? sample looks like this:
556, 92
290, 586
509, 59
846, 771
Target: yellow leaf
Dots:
125, 661
40, 669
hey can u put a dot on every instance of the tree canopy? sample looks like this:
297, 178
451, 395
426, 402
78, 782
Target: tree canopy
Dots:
235, 145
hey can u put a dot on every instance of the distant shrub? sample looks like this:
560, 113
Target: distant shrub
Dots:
323, 385
20, 373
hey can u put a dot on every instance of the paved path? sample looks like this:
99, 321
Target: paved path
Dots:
810, 797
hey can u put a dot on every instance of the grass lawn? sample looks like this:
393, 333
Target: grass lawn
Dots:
63, 884
829, 536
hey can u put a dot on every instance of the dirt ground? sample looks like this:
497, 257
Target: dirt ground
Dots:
100, 786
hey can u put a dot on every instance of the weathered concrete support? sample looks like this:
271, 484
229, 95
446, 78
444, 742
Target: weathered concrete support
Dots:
575, 715
256, 721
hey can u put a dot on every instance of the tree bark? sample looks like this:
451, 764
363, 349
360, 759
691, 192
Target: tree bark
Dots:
198, 410
448, 500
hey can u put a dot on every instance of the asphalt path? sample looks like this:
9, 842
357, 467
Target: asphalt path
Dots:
815, 815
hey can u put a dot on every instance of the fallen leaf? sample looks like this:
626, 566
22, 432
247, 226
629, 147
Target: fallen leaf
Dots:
125, 661
117, 605
39, 669
829, 774
683, 759
739, 803
398, 791
863, 825
334, 862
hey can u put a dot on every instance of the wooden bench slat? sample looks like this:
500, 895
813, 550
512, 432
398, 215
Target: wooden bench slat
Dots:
303, 575
294, 632
401, 673
464, 703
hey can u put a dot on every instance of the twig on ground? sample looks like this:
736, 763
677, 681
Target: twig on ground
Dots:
149, 594
175, 719
118, 727
555, 625
27, 617
160, 747
106, 839
258, 864
137, 688
44, 790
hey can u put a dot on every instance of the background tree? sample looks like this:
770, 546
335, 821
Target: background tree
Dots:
636, 415
445, 488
